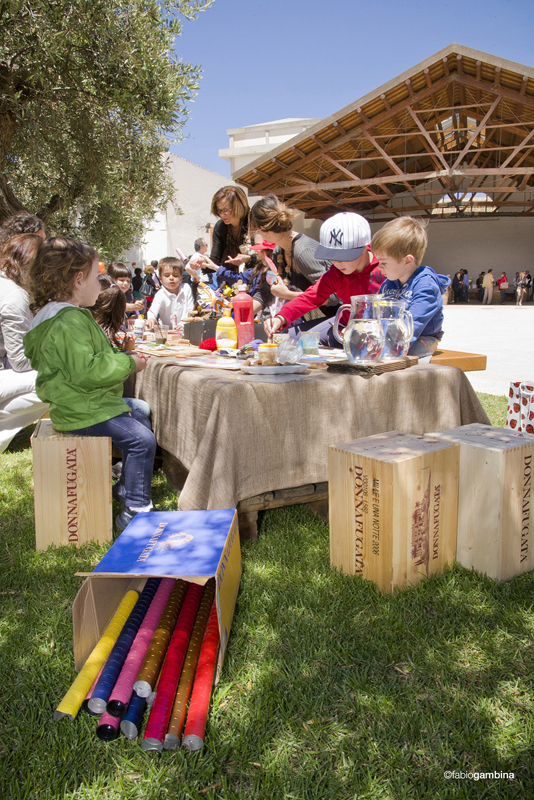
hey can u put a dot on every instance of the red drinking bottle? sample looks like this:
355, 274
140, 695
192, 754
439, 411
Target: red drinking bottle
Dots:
243, 317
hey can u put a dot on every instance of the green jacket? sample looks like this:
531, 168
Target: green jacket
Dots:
78, 372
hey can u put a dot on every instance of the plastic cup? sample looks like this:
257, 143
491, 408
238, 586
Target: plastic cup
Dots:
310, 343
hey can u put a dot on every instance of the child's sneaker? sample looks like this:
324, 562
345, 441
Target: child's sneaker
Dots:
124, 518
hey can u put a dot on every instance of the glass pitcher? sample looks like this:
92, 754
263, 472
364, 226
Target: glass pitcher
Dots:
397, 324
363, 336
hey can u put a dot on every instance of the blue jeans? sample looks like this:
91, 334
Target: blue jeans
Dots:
132, 435
138, 405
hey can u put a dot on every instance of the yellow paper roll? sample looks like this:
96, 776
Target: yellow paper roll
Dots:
71, 703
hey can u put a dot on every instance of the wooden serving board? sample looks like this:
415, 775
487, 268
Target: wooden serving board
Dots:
372, 369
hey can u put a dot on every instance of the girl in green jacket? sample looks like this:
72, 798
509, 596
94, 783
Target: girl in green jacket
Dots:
77, 371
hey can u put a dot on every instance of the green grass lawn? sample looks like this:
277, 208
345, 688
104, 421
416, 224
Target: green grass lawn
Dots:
329, 690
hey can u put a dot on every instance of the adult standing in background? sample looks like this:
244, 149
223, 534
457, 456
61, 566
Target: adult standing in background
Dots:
487, 283
480, 287
231, 232
503, 286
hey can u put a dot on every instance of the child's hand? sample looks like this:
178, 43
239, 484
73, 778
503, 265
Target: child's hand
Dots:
128, 343
140, 362
150, 324
272, 326
139, 305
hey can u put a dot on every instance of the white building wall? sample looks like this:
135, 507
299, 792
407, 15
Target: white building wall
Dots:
195, 187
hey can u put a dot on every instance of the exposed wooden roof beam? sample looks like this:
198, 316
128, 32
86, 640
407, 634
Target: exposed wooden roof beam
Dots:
519, 147
428, 139
477, 130
359, 131
415, 176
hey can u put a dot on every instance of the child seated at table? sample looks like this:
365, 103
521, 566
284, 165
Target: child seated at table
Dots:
78, 372
400, 246
344, 240
174, 301
122, 277
108, 312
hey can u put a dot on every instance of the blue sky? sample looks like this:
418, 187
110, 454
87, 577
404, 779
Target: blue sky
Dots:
270, 59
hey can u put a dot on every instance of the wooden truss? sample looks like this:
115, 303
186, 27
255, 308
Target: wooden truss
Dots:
454, 136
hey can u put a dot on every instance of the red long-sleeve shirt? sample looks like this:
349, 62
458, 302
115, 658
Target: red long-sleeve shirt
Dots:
368, 281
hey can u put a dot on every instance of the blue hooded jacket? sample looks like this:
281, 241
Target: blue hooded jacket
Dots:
423, 295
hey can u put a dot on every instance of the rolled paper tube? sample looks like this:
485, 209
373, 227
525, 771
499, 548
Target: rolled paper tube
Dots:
200, 697
131, 722
85, 704
150, 668
176, 722
108, 727
110, 673
122, 692
160, 712
71, 703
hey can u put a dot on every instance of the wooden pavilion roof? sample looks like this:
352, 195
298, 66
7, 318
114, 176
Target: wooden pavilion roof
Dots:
454, 135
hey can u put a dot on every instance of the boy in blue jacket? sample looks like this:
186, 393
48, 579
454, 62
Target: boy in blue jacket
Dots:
400, 246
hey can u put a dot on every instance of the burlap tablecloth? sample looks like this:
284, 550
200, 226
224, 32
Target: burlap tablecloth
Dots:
239, 439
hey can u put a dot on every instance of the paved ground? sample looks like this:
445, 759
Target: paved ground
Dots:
504, 333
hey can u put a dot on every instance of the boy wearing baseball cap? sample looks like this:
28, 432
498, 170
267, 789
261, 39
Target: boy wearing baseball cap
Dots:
400, 246
344, 240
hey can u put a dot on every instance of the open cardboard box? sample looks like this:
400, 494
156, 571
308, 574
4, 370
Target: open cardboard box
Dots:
193, 545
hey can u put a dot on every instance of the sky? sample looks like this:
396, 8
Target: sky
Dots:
264, 60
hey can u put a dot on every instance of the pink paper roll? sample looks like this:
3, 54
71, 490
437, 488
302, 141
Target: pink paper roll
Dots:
122, 692
108, 727
160, 712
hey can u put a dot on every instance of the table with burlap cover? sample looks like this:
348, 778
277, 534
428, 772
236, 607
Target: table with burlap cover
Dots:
238, 439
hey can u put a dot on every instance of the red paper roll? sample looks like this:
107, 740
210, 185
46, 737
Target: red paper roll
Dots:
170, 673
200, 697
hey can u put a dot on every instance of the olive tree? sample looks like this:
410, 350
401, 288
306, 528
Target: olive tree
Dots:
91, 93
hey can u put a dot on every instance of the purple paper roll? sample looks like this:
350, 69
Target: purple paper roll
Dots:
122, 692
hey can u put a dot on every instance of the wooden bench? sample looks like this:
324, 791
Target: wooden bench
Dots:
467, 362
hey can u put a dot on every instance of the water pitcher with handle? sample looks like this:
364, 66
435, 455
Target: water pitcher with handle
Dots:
363, 336
397, 324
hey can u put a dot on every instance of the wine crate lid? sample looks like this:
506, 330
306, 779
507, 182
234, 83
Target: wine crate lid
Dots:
393, 446
486, 436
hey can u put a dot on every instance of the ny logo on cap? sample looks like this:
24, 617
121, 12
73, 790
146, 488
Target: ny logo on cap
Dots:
336, 238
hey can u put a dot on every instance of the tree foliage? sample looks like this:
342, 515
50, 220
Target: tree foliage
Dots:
91, 92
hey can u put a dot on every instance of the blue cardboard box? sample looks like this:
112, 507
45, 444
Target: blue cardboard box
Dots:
193, 545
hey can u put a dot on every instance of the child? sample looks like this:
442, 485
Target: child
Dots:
122, 277
78, 373
174, 301
345, 242
108, 312
399, 247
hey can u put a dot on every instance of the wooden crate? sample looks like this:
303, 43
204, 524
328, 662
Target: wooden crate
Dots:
393, 507
495, 511
72, 477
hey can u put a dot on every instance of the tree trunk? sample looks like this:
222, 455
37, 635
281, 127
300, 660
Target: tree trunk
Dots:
9, 203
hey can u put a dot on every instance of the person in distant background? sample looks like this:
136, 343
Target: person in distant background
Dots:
503, 286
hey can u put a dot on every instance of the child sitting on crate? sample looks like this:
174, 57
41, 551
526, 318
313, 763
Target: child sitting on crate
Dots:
174, 301
78, 372
400, 246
